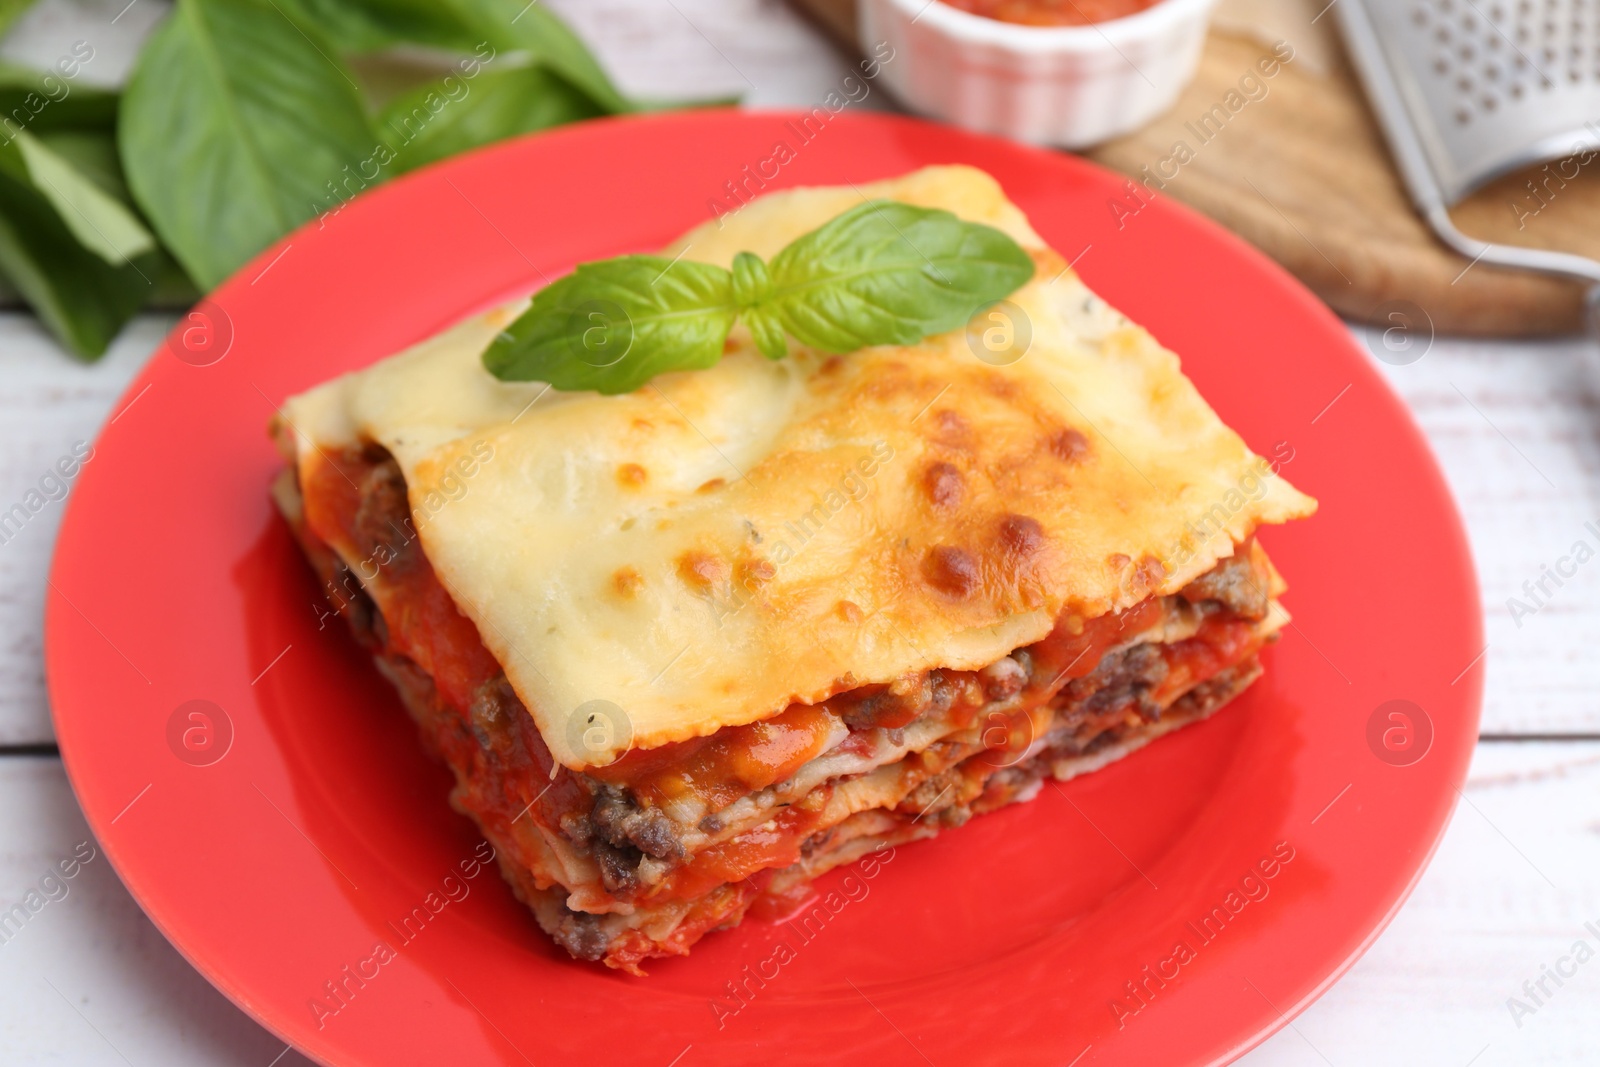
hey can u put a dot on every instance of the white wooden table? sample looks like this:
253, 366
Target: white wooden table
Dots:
90, 981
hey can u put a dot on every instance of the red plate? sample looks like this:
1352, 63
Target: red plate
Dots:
296, 826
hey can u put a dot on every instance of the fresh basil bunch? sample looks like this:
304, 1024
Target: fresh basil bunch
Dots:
242, 120
882, 273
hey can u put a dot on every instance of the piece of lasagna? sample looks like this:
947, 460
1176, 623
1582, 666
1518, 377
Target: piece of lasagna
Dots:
689, 647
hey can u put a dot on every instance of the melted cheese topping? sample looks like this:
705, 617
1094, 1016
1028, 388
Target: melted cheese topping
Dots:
723, 543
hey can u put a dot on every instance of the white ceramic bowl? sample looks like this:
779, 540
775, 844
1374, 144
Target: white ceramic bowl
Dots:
1072, 86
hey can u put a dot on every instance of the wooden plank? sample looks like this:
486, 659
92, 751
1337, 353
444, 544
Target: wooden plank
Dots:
88, 980
114, 29
1432, 990
1483, 920
759, 50
1514, 428
49, 404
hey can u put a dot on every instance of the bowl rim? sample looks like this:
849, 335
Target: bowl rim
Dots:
1093, 37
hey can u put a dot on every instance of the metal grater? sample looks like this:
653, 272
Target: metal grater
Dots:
1469, 90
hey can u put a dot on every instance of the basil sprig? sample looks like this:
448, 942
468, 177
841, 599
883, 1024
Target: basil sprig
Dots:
883, 273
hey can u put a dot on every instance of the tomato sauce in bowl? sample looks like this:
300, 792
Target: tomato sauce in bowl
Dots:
1052, 12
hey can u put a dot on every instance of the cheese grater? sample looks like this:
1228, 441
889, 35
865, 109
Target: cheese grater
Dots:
1469, 90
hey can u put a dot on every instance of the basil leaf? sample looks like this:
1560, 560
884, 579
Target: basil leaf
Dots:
78, 296
96, 218
9, 10
645, 105
369, 25
94, 154
464, 25
40, 100
236, 127
460, 113
752, 286
612, 326
891, 273
517, 25
882, 273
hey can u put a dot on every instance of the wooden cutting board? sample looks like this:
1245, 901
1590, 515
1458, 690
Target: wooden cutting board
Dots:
1303, 174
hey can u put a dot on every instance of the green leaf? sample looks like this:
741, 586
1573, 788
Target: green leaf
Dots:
237, 126
463, 112
368, 25
650, 104
94, 154
752, 286
96, 218
9, 10
612, 326
467, 26
40, 100
891, 273
767, 332
883, 273
79, 297
751, 282
531, 27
